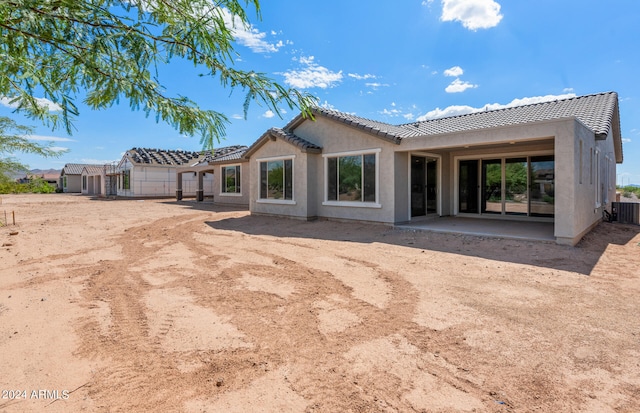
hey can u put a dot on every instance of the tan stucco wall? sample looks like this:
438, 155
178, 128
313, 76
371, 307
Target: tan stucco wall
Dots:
576, 198
241, 199
95, 184
74, 183
575, 209
298, 207
335, 138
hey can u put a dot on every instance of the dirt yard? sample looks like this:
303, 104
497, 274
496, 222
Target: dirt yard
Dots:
155, 306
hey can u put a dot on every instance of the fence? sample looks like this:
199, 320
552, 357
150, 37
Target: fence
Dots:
7, 219
626, 212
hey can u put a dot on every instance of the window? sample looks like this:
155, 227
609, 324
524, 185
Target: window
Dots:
231, 179
581, 168
125, 179
64, 182
507, 186
276, 179
84, 182
352, 178
597, 178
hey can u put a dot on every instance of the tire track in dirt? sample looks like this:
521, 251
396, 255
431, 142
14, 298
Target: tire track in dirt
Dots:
298, 342
284, 333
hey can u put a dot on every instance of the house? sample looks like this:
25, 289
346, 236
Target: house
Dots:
230, 166
99, 180
51, 177
144, 172
553, 161
71, 177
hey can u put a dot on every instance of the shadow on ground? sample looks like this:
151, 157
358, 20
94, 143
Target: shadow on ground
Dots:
581, 259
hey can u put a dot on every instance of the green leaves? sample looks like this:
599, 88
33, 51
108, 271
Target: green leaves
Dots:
13, 138
111, 50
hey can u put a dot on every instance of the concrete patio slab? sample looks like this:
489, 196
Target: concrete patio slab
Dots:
485, 227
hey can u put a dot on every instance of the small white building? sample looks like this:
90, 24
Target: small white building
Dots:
71, 177
146, 172
99, 180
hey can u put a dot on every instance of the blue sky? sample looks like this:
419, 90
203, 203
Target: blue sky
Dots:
397, 63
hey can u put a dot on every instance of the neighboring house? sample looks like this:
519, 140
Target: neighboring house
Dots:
229, 171
146, 172
71, 177
99, 180
51, 178
552, 161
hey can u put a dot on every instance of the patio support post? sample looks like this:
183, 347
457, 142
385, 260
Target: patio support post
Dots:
179, 186
200, 192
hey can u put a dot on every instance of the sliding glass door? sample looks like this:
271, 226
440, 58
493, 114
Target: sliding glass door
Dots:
507, 186
468, 187
516, 195
542, 185
492, 186
424, 185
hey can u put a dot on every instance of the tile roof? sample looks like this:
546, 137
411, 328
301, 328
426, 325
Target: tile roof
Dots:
381, 129
295, 140
599, 112
219, 155
161, 156
74, 168
287, 136
226, 153
95, 169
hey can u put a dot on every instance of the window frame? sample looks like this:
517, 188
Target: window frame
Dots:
126, 180
238, 180
597, 178
357, 204
283, 200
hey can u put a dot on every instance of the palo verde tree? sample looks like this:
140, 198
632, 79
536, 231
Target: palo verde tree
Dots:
111, 50
13, 138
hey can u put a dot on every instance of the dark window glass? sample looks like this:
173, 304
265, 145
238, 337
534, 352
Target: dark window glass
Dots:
332, 179
352, 178
369, 181
263, 180
288, 179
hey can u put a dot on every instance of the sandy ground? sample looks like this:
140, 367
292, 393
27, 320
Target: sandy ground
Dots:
140, 306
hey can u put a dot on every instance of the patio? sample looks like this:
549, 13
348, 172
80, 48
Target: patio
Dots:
486, 227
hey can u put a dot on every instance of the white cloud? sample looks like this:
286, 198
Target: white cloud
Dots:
473, 14
327, 105
237, 116
458, 86
313, 75
42, 102
626, 140
249, 36
463, 110
376, 85
392, 112
48, 138
455, 71
59, 149
396, 112
268, 114
361, 77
